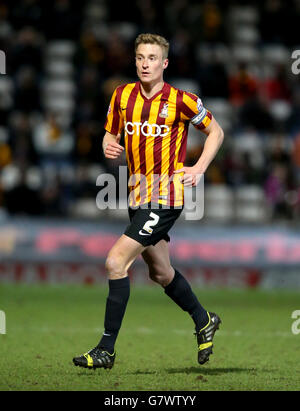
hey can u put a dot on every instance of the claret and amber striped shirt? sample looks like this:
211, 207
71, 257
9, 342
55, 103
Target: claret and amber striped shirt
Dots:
155, 134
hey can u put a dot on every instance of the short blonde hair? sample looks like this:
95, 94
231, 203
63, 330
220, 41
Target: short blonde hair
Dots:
148, 38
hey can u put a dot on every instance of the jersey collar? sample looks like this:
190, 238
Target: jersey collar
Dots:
162, 90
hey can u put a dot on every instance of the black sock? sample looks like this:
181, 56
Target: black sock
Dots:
116, 303
181, 293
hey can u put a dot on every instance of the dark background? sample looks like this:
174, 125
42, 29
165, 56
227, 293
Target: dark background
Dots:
64, 59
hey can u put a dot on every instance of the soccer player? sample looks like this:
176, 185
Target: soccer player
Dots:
155, 118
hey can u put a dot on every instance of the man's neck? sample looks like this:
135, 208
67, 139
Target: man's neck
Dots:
149, 90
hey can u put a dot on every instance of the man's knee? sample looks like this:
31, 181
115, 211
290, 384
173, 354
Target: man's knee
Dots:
115, 266
161, 275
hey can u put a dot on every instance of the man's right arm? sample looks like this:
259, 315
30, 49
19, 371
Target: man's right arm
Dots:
111, 147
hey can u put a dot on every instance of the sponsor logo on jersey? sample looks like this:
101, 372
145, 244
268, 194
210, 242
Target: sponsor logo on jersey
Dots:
148, 130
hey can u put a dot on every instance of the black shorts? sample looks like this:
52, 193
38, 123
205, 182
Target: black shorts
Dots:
149, 226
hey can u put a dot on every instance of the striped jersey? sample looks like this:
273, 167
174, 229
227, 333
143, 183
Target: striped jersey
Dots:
155, 135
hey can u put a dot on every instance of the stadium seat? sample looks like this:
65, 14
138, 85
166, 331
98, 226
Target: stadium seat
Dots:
62, 49
245, 53
53, 87
250, 204
251, 214
6, 85
3, 134
87, 208
220, 107
194, 138
245, 34
280, 109
95, 11
203, 52
250, 193
244, 14
219, 193
34, 178
10, 177
67, 174
59, 104
219, 213
247, 141
222, 110
221, 53
186, 84
225, 123
93, 171
126, 30
218, 204
59, 69
275, 53
62, 146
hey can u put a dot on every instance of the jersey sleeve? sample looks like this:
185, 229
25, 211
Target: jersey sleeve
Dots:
114, 120
194, 111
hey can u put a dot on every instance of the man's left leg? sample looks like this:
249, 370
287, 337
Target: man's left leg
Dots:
175, 285
179, 290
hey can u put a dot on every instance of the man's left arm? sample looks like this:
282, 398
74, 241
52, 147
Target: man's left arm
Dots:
214, 140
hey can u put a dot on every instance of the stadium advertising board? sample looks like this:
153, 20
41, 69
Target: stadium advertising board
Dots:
48, 251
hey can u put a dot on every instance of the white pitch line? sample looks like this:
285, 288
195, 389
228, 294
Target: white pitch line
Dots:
149, 331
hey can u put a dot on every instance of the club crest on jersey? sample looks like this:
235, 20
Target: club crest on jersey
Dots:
164, 111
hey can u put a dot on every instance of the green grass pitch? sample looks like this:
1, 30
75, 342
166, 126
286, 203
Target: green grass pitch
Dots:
46, 326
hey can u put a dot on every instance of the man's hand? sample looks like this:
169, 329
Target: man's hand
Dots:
112, 149
191, 176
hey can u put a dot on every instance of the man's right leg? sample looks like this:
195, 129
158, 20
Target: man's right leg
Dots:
118, 261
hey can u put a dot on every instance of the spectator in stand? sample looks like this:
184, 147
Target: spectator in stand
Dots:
64, 20
274, 187
296, 156
293, 121
212, 22
28, 13
278, 183
277, 87
21, 140
182, 55
26, 50
27, 93
213, 79
254, 113
52, 142
99, 66
242, 86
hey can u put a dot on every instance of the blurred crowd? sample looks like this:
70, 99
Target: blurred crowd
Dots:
64, 59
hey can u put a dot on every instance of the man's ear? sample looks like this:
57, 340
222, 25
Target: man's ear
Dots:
165, 63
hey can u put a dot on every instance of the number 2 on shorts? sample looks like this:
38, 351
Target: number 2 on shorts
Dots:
151, 223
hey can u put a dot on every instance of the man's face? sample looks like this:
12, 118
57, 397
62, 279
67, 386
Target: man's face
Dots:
150, 63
